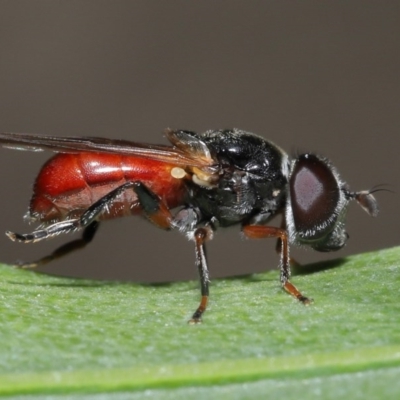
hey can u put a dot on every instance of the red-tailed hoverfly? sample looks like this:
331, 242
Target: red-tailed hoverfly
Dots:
200, 183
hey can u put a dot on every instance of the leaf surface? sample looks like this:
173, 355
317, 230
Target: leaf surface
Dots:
89, 339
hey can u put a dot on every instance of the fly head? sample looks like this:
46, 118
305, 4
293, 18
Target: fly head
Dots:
317, 204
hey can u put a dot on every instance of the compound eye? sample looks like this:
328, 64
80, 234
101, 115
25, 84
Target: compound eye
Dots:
314, 196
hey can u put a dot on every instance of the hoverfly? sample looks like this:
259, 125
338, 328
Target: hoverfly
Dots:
199, 184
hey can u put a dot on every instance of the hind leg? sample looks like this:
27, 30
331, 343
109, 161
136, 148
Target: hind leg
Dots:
87, 237
153, 208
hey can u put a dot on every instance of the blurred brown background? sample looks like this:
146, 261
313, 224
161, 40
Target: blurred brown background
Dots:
311, 76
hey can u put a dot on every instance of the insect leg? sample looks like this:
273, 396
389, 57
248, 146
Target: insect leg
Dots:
152, 206
73, 224
201, 235
87, 221
278, 248
87, 237
259, 232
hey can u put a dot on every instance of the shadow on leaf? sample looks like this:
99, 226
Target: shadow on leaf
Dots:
318, 266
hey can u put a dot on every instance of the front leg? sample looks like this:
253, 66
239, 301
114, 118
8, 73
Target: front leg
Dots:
260, 232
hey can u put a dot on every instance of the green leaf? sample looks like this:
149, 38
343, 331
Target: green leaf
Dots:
95, 340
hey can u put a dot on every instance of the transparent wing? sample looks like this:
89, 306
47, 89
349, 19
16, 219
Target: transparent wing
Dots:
180, 155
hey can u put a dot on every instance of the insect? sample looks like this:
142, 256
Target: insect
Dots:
199, 184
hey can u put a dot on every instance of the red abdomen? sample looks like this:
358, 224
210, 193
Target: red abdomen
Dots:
70, 183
